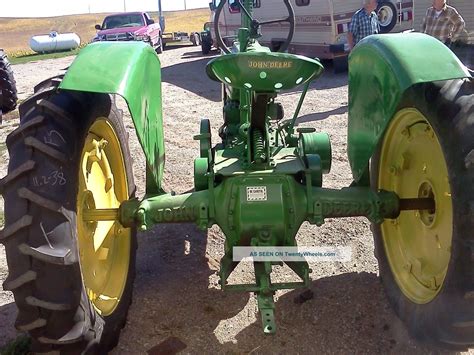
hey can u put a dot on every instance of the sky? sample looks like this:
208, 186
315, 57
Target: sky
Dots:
45, 8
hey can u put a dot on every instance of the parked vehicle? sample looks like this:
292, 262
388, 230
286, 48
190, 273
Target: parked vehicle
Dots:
130, 26
207, 39
8, 92
321, 25
193, 38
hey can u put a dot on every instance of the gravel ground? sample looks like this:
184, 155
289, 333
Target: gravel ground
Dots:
177, 300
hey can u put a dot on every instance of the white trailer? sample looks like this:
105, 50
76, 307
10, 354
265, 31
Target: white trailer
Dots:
321, 25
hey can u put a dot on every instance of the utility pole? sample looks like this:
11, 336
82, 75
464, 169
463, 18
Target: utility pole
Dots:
124, 6
160, 16
185, 4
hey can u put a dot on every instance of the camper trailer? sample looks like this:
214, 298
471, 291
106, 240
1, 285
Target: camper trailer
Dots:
321, 25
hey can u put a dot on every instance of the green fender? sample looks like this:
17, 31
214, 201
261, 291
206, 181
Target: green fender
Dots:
133, 71
381, 68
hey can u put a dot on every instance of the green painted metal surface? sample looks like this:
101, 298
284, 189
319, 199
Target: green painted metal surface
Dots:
381, 68
243, 206
263, 179
263, 71
131, 70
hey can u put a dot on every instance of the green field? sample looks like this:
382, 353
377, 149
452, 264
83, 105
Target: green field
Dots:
15, 33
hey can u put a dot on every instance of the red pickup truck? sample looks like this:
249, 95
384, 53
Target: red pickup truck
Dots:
130, 26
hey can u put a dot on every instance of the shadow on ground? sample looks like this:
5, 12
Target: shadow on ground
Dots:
321, 115
174, 309
189, 76
174, 301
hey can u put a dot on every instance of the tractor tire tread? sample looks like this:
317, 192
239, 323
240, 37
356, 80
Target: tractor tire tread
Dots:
39, 200
27, 327
28, 276
31, 101
7, 85
48, 254
75, 335
19, 132
13, 228
54, 109
449, 104
44, 272
45, 149
52, 306
15, 174
49, 84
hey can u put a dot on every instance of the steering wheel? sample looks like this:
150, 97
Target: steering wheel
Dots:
255, 24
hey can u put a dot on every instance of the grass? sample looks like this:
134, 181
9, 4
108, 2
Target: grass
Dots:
26, 58
15, 33
19, 346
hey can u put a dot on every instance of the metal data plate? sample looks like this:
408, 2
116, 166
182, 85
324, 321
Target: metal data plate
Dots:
256, 193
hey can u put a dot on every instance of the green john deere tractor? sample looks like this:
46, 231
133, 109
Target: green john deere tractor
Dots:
71, 214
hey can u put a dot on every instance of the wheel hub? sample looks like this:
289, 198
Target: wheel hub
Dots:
427, 216
385, 15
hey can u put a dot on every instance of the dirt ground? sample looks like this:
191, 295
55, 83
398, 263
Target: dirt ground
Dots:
177, 300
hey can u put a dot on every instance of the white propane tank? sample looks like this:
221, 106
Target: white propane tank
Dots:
54, 42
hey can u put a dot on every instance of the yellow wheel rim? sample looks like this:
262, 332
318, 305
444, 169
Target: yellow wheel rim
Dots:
104, 246
417, 243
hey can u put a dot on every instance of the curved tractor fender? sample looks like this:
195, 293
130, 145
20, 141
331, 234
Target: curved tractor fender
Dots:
133, 71
381, 69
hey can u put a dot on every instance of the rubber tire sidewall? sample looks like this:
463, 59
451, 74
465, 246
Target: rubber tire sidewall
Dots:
391, 25
433, 322
8, 95
63, 282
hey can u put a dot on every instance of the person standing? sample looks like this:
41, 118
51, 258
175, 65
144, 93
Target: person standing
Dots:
363, 23
443, 22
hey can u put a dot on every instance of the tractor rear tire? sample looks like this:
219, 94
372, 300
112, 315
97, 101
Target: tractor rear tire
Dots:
426, 257
72, 279
8, 90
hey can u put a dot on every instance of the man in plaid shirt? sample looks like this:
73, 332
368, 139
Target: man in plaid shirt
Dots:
363, 23
442, 22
